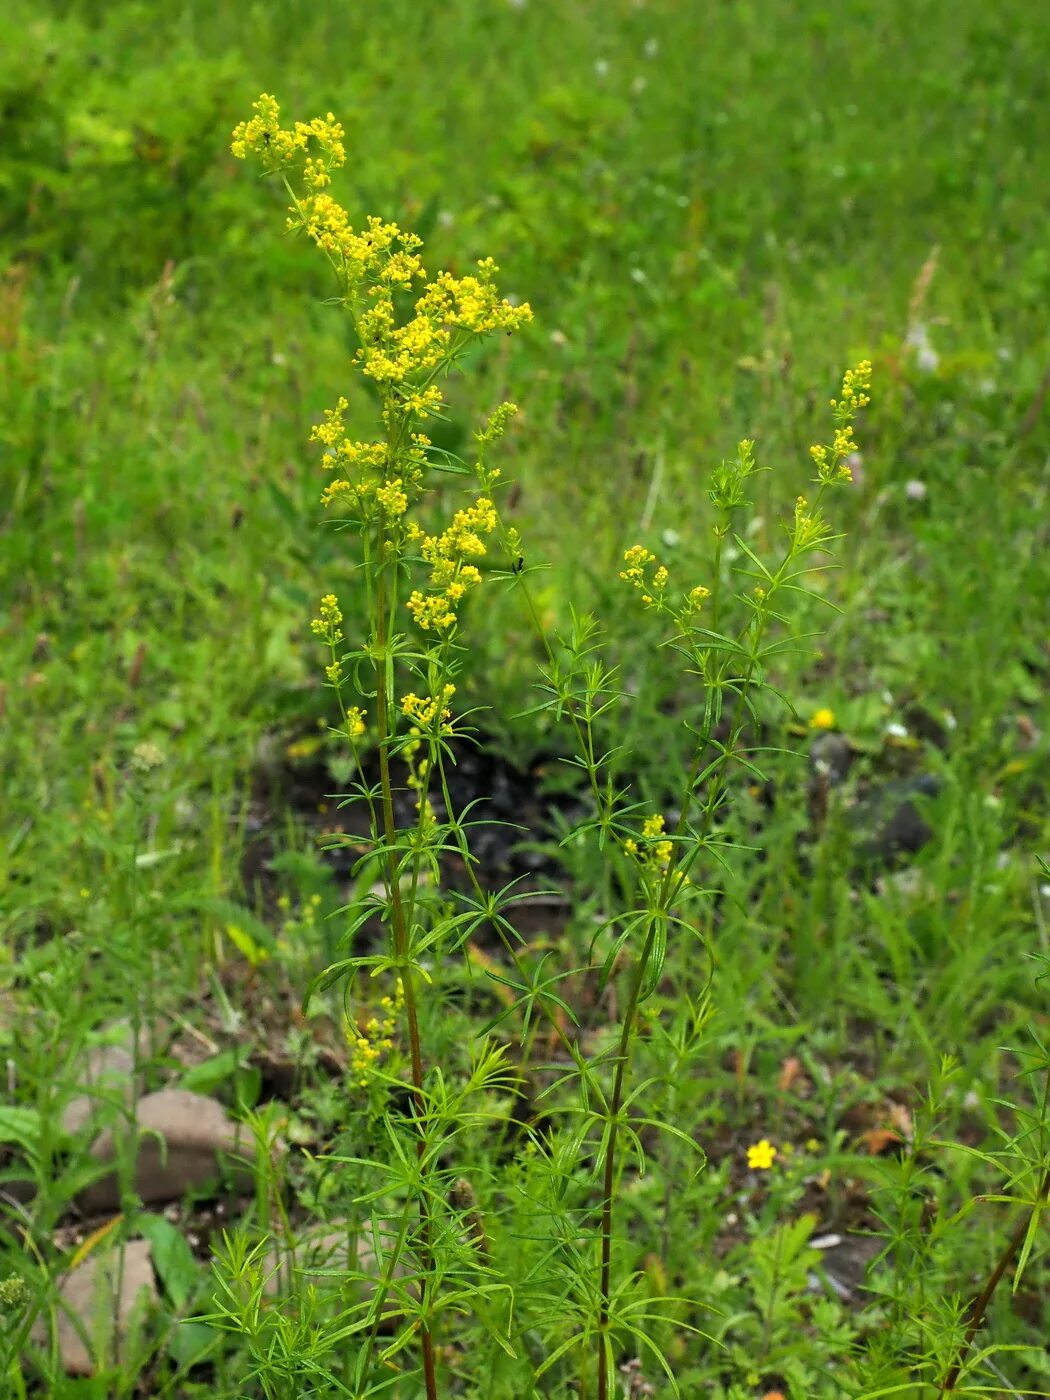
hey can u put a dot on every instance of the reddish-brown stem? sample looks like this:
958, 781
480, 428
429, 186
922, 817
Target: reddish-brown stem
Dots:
979, 1306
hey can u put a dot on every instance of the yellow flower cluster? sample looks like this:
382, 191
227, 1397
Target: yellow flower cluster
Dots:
855, 384
375, 263
807, 530
370, 1041
411, 328
392, 499
365, 484
450, 573
639, 563
655, 850
355, 722
431, 716
264, 135
327, 625
833, 463
638, 560
423, 712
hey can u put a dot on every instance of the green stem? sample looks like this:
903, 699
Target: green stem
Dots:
673, 872
399, 932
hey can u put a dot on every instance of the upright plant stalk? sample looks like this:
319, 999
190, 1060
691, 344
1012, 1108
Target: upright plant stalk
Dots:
400, 942
808, 531
623, 1061
979, 1306
374, 484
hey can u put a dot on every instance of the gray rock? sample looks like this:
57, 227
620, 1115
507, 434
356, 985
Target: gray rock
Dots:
831, 755
848, 1260
889, 823
100, 1306
185, 1140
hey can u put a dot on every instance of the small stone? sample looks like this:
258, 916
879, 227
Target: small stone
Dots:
846, 1263
89, 1303
185, 1140
831, 755
889, 821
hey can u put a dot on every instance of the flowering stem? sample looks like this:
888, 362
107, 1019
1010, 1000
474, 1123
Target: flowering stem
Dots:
401, 953
623, 1055
666, 893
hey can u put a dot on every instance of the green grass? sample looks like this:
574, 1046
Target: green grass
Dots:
711, 211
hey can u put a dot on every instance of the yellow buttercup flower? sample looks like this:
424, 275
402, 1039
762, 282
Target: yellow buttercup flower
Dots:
761, 1156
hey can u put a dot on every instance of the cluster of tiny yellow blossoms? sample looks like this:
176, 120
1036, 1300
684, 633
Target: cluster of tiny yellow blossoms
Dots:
430, 716
694, 599
264, 135
451, 576
355, 722
654, 850
806, 530
327, 625
652, 582
375, 264
638, 561
376, 483
423, 713
822, 719
375, 1037
366, 484
833, 462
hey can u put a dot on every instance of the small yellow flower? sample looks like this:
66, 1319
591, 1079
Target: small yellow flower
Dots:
760, 1157
822, 719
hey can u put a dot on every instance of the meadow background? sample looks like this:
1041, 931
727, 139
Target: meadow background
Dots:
712, 210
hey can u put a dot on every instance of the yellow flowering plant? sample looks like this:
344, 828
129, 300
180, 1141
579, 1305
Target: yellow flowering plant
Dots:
395, 688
